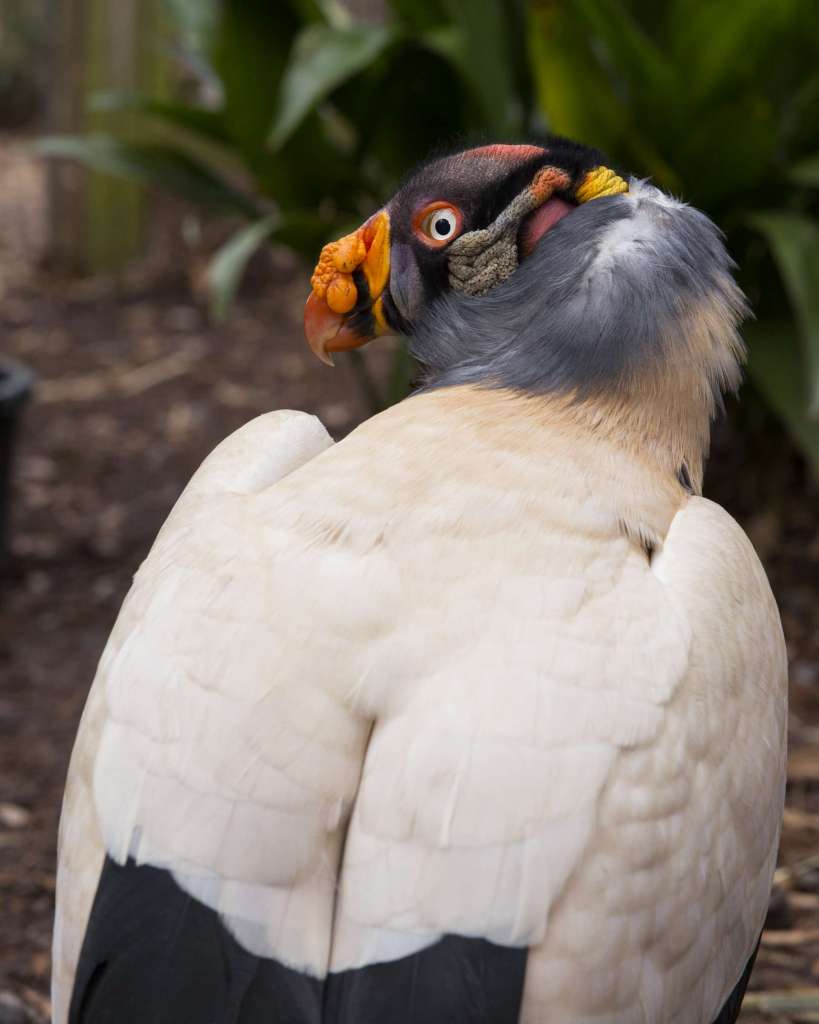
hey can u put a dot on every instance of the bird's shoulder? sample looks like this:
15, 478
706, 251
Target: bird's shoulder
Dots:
715, 767
711, 571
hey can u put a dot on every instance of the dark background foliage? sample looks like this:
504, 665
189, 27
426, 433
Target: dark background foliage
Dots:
323, 112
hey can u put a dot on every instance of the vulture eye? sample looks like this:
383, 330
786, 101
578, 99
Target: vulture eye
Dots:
441, 224
438, 223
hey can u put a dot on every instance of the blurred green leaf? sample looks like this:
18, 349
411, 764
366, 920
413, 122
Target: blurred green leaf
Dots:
227, 266
405, 123
572, 92
717, 44
797, 114
484, 30
695, 94
310, 10
640, 65
444, 41
794, 241
196, 22
419, 15
150, 164
250, 53
323, 57
776, 369
208, 123
806, 172
582, 97
334, 12
740, 137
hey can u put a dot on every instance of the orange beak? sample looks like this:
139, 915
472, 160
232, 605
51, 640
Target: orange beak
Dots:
335, 299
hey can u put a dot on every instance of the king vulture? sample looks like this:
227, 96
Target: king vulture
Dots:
477, 715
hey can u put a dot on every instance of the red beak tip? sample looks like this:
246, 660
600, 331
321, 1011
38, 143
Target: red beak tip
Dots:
321, 325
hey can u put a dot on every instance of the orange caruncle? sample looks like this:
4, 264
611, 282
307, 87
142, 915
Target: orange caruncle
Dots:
332, 280
341, 294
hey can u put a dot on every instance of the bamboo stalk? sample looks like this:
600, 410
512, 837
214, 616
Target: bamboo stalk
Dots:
96, 220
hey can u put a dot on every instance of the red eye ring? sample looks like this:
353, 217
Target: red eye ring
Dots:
423, 219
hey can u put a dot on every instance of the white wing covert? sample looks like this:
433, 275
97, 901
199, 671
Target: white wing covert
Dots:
206, 726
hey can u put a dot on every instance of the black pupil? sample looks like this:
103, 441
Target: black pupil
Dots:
442, 226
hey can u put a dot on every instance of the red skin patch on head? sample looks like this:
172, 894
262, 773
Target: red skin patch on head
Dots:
500, 151
541, 220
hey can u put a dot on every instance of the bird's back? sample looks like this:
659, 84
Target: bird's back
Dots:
495, 702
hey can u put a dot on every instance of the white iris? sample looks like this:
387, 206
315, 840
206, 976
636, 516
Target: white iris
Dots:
442, 224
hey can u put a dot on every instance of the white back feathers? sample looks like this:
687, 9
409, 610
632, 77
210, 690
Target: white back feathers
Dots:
453, 641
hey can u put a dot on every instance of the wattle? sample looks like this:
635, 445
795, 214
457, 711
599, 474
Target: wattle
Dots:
542, 220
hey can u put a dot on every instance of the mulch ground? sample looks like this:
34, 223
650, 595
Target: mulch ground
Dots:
135, 387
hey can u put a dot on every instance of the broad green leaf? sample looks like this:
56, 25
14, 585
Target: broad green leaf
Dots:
309, 10
486, 58
794, 241
523, 85
315, 164
410, 120
719, 46
806, 172
227, 266
775, 365
208, 123
579, 97
419, 15
740, 136
445, 41
197, 132
643, 70
573, 94
322, 58
333, 12
796, 111
250, 55
150, 164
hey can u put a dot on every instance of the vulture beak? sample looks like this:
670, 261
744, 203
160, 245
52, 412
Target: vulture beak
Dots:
344, 309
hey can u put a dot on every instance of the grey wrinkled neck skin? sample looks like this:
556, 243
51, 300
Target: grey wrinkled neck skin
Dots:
603, 300
480, 260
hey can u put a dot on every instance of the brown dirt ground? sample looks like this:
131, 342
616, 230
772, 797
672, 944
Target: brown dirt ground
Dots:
135, 387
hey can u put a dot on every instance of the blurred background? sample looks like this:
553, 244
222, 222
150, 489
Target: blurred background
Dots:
168, 172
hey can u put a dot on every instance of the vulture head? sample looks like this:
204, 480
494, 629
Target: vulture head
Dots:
542, 270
